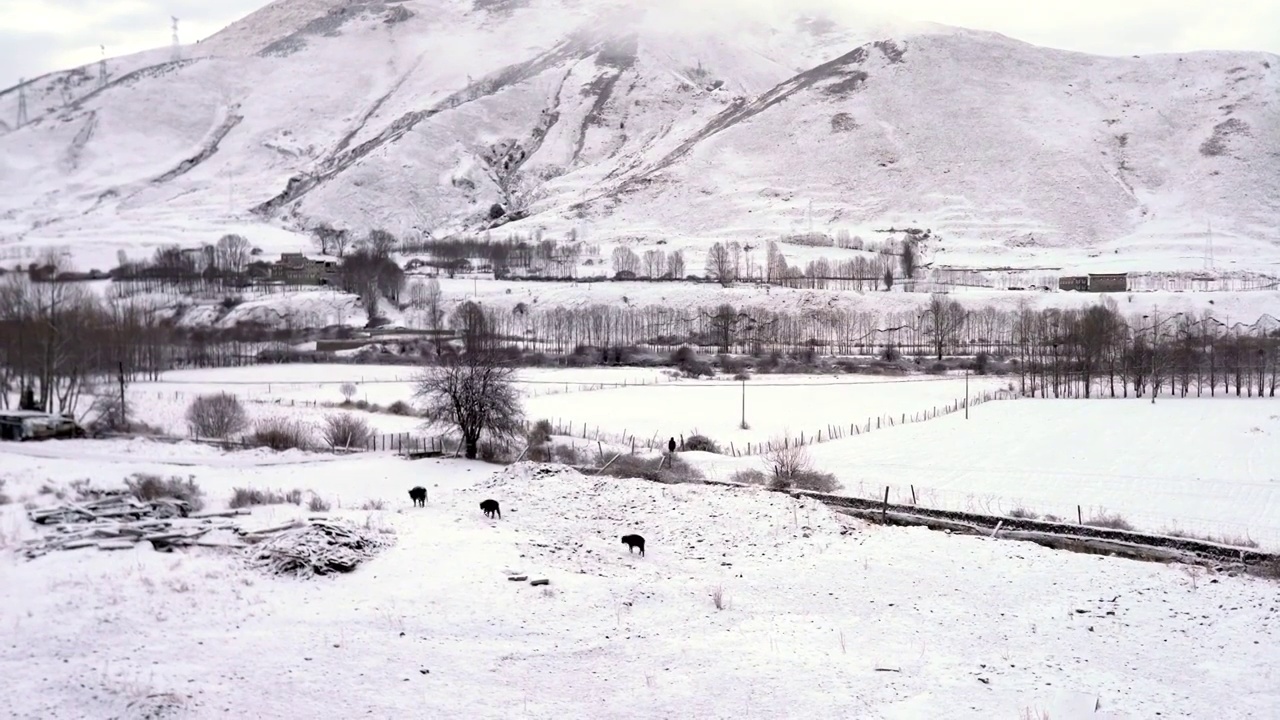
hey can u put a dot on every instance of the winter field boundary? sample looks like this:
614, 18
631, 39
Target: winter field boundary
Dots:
1149, 547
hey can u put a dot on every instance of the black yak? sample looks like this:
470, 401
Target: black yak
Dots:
419, 496
490, 508
632, 542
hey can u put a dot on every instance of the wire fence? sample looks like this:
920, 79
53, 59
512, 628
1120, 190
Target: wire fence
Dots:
585, 431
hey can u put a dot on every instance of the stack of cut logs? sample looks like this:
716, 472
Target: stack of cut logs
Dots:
117, 520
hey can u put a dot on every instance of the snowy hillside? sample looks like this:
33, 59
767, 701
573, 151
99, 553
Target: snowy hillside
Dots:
438, 116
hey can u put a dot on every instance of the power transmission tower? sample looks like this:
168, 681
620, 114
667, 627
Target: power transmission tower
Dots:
1208, 248
102, 67
177, 47
22, 102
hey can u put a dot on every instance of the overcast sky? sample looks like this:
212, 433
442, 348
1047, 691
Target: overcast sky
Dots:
37, 36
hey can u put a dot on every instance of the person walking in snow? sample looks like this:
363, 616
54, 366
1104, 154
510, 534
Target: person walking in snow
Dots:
671, 445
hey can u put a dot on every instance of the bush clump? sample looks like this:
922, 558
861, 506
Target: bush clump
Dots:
749, 477
1114, 521
792, 468
400, 407
318, 504
250, 497
153, 487
668, 469
701, 443
216, 416
566, 454
280, 434
344, 431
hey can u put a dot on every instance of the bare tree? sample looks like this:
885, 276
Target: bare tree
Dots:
654, 263
216, 416
942, 321
720, 265
908, 259
888, 279
344, 431
475, 393
232, 254
675, 264
379, 243
624, 260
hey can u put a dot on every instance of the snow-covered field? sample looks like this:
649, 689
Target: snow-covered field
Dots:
776, 406
310, 392
876, 623
1201, 465
1207, 466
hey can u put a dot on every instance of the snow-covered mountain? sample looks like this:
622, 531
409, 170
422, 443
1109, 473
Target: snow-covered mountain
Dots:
438, 116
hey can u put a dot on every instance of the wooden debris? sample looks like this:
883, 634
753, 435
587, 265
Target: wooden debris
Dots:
317, 546
115, 521
540, 581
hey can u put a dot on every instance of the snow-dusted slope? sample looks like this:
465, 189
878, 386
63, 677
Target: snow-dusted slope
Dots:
437, 115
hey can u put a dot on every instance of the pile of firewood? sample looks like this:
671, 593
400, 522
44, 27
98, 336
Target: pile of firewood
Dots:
116, 520
316, 546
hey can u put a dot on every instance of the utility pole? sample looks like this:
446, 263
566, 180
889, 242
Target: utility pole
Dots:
966, 393
123, 410
1155, 342
744, 405
22, 102
177, 46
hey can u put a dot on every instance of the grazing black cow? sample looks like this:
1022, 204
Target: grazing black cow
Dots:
632, 542
490, 508
419, 496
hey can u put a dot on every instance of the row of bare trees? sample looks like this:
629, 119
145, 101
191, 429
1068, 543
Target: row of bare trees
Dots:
59, 340
1064, 353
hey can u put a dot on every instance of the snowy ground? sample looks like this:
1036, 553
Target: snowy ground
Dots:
309, 392
776, 406
877, 623
1206, 465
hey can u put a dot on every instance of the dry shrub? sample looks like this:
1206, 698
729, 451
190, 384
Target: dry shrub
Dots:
540, 432
1269, 569
749, 477
669, 469
153, 487
1233, 540
343, 431
718, 599
400, 407
567, 454
318, 504
791, 467
279, 434
701, 443
216, 416
248, 497
1114, 521
374, 504
1021, 513
492, 452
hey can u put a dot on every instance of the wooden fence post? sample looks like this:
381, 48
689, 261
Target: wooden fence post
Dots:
884, 512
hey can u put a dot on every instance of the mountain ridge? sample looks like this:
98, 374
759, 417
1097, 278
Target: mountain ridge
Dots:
583, 119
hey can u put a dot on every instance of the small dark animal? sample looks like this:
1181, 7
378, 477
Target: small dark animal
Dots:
419, 496
632, 542
671, 445
490, 508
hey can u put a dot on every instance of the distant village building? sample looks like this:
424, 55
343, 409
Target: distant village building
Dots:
298, 269
1095, 282
1108, 282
